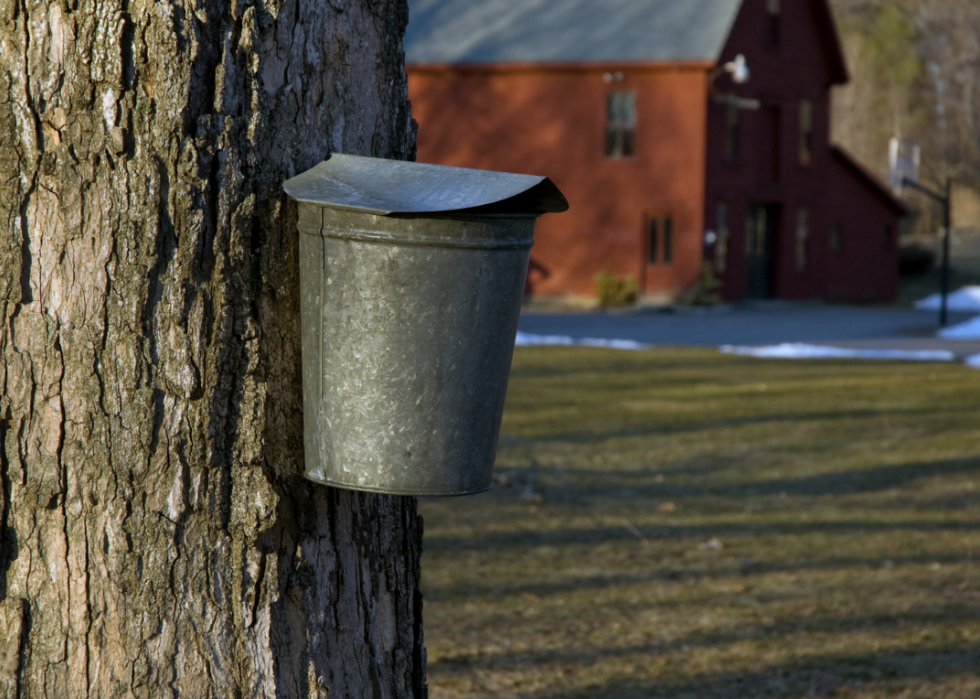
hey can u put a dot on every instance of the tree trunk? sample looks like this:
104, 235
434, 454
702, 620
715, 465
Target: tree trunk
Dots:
158, 538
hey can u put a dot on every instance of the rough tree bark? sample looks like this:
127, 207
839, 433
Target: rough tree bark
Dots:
157, 539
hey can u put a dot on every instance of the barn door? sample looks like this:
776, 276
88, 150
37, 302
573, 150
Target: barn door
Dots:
760, 243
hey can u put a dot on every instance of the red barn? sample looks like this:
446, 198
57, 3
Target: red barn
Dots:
667, 160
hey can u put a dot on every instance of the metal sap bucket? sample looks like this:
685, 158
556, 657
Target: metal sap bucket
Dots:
411, 278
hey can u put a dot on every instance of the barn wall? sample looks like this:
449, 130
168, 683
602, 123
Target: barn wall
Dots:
552, 121
865, 269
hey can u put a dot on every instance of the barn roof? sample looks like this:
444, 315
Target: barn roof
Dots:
872, 183
567, 31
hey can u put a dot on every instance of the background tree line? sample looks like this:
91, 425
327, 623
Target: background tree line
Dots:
915, 66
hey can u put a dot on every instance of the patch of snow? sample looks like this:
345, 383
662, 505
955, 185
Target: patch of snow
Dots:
973, 361
527, 339
796, 350
966, 299
611, 344
970, 330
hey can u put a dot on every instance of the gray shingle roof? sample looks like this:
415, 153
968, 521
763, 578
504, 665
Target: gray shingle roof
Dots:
546, 31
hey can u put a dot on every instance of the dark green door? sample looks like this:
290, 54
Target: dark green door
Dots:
760, 242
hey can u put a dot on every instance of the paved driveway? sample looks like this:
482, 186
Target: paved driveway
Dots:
759, 324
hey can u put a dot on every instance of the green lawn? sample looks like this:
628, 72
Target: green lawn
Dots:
681, 523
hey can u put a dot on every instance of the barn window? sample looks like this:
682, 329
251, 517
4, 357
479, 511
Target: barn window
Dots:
732, 127
802, 238
721, 245
620, 123
653, 242
806, 132
887, 238
660, 240
837, 238
773, 29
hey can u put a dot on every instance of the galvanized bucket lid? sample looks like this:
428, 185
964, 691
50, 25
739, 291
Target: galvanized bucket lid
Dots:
392, 187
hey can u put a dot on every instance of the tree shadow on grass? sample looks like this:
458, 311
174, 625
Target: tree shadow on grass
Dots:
815, 676
777, 632
747, 571
673, 424
854, 481
443, 543
819, 676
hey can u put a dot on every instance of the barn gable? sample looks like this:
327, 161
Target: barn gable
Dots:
809, 22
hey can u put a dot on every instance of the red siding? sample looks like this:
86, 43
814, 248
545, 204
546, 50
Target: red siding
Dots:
552, 121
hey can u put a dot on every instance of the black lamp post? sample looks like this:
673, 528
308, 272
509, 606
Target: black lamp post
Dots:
903, 171
945, 199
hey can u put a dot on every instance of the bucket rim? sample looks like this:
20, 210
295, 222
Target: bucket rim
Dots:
395, 491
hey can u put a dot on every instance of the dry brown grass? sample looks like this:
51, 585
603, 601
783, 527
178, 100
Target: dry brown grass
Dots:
687, 524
